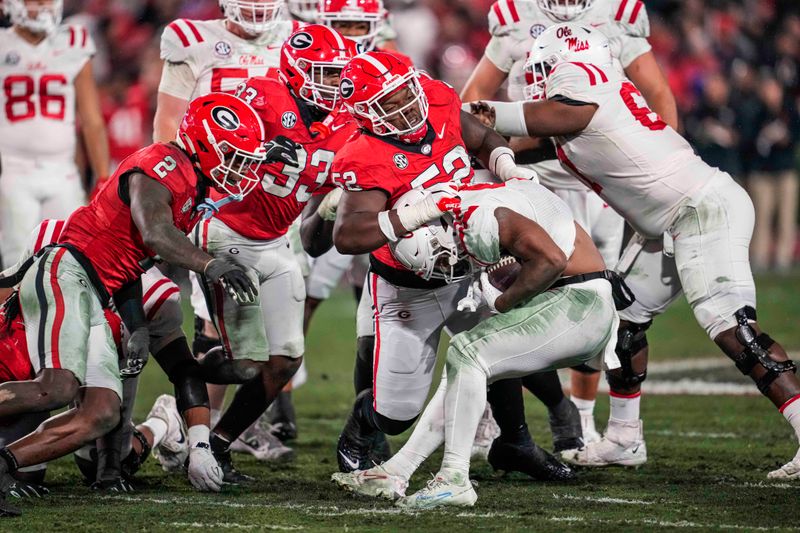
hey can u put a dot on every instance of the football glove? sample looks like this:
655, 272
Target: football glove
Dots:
138, 352
204, 471
23, 489
233, 279
329, 204
282, 149
489, 292
473, 300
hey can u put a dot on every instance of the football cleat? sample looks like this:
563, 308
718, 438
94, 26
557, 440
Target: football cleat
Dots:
444, 489
487, 431
25, 489
790, 470
283, 418
173, 449
354, 446
230, 476
6, 509
565, 424
590, 433
259, 441
529, 459
375, 482
284, 431
623, 445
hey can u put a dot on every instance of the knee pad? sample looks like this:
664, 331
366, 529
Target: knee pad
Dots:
184, 373
756, 351
630, 340
134, 461
218, 369
202, 343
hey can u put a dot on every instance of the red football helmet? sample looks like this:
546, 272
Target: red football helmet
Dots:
334, 12
312, 59
224, 136
383, 92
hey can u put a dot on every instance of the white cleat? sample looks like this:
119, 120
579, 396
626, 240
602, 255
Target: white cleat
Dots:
173, 449
623, 445
259, 442
375, 482
790, 470
444, 489
487, 431
590, 433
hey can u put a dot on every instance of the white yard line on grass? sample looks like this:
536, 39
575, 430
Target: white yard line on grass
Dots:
666, 523
602, 499
693, 434
231, 525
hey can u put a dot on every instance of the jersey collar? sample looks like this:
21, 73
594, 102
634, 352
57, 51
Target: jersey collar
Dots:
424, 147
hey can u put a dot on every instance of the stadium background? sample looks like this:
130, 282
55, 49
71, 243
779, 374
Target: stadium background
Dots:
726, 61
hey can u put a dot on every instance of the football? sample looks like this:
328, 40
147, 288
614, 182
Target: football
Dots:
503, 273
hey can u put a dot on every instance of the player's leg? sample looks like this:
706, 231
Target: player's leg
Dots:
64, 191
549, 332
653, 278
206, 337
712, 258
29, 480
20, 208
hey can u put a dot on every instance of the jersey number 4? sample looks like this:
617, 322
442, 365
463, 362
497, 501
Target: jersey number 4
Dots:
21, 102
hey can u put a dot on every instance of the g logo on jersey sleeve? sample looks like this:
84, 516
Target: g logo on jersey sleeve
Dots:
347, 88
225, 117
301, 41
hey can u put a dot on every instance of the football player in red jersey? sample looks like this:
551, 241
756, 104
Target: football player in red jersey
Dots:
302, 106
363, 21
142, 212
414, 135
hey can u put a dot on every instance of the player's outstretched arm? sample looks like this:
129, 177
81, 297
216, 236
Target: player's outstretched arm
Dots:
152, 214
357, 230
545, 118
92, 124
479, 139
542, 260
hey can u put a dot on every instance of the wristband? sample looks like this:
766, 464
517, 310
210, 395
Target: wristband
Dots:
502, 162
198, 434
386, 226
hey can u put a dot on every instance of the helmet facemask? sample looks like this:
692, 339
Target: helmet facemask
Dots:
565, 10
401, 109
432, 253
256, 17
536, 73
48, 14
237, 172
343, 22
321, 82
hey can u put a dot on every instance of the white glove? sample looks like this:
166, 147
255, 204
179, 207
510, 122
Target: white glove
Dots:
473, 300
204, 472
329, 204
440, 199
490, 294
525, 174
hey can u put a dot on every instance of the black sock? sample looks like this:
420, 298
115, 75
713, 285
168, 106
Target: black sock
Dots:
362, 374
248, 404
505, 397
546, 387
219, 444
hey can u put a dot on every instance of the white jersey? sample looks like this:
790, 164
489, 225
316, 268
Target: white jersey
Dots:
638, 164
220, 60
37, 105
479, 231
515, 25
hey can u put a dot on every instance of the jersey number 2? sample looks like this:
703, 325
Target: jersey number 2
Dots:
19, 92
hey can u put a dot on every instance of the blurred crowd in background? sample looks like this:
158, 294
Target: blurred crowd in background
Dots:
733, 65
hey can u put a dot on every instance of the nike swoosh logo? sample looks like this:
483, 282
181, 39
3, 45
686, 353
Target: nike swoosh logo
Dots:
635, 449
334, 128
597, 24
352, 464
182, 439
435, 498
441, 133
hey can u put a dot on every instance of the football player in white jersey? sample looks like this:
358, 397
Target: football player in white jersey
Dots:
540, 321
46, 75
203, 56
514, 24
608, 138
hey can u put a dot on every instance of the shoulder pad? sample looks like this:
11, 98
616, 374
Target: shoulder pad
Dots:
502, 15
575, 80
179, 39
631, 17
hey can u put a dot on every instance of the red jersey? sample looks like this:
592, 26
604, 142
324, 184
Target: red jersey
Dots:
268, 211
104, 230
372, 162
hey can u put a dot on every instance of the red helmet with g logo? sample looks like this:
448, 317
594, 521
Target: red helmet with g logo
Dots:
383, 92
367, 11
224, 136
312, 59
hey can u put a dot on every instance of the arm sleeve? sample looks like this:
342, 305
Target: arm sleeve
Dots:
178, 80
510, 118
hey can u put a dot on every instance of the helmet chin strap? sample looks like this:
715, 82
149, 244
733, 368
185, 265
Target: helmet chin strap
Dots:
416, 135
210, 207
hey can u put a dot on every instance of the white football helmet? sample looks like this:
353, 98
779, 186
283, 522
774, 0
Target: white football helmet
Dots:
568, 42
253, 16
430, 251
38, 16
564, 10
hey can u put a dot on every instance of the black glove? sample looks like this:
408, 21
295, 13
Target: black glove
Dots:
138, 352
23, 489
233, 279
119, 484
282, 149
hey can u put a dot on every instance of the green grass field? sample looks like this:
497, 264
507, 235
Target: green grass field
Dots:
707, 470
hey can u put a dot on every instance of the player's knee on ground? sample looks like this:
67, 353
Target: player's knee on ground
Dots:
632, 353
757, 355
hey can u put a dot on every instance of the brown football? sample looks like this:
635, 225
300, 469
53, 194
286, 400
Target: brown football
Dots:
503, 273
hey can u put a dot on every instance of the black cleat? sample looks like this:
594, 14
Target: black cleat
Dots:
230, 475
529, 459
354, 446
565, 424
8, 510
119, 484
380, 450
284, 431
283, 418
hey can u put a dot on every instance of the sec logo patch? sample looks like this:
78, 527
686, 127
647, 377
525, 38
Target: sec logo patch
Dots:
288, 120
222, 49
537, 29
400, 161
